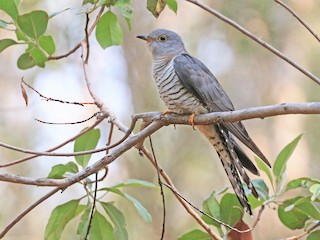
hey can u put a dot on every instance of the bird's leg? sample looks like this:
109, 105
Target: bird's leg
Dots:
165, 113
191, 120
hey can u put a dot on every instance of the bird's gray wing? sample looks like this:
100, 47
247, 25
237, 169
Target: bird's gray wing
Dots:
198, 79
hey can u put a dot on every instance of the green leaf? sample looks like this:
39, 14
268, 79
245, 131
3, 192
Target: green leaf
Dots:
124, 7
263, 167
5, 43
33, 24
212, 207
101, 229
195, 235
108, 31
156, 6
10, 8
172, 4
47, 44
262, 190
72, 167
230, 209
314, 235
38, 57
279, 166
25, 61
315, 190
303, 182
142, 211
308, 207
59, 218
290, 216
3, 24
58, 171
135, 183
118, 220
84, 222
88, 1
87, 141
20, 35
17, 2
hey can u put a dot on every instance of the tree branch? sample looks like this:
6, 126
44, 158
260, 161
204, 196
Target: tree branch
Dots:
25, 212
255, 38
298, 18
203, 119
79, 44
234, 116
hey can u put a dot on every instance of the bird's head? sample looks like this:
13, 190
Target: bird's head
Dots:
164, 43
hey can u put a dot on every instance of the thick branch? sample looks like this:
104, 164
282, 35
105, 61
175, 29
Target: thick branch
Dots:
237, 115
116, 152
204, 119
255, 38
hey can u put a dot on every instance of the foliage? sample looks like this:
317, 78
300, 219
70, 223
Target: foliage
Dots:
30, 28
108, 225
106, 220
294, 213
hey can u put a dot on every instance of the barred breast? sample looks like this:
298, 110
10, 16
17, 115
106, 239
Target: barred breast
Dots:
176, 97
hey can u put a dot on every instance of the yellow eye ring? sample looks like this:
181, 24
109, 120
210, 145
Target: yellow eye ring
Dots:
163, 38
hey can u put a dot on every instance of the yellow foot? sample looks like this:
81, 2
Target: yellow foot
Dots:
191, 120
166, 112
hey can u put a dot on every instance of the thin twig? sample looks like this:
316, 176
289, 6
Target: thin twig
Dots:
110, 136
25, 212
101, 118
98, 102
161, 190
255, 38
87, 39
206, 214
189, 209
258, 217
53, 99
79, 44
106, 170
68, 123
93, 205
304, 233
298, 18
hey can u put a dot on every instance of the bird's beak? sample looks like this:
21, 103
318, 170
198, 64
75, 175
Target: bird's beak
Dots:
145, 37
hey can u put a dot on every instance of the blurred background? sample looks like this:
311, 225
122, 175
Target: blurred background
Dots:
121, 75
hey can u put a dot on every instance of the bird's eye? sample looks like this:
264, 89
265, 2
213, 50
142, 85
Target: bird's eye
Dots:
163, 38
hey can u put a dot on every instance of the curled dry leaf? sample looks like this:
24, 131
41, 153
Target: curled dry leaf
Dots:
24, 93
234, 235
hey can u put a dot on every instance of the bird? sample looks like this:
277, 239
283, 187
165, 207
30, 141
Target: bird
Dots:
188, 87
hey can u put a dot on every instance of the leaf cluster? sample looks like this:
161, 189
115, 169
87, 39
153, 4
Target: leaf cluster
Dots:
299, 212
107, 224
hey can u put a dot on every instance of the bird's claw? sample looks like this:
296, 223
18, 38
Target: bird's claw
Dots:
191, 120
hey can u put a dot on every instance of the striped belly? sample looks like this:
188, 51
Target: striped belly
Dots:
176, 97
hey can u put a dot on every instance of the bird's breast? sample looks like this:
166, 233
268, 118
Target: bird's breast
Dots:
176, 97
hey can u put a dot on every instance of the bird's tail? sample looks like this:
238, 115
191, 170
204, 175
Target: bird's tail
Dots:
224, 145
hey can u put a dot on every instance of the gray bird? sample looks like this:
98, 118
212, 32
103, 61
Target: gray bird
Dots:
187, 86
